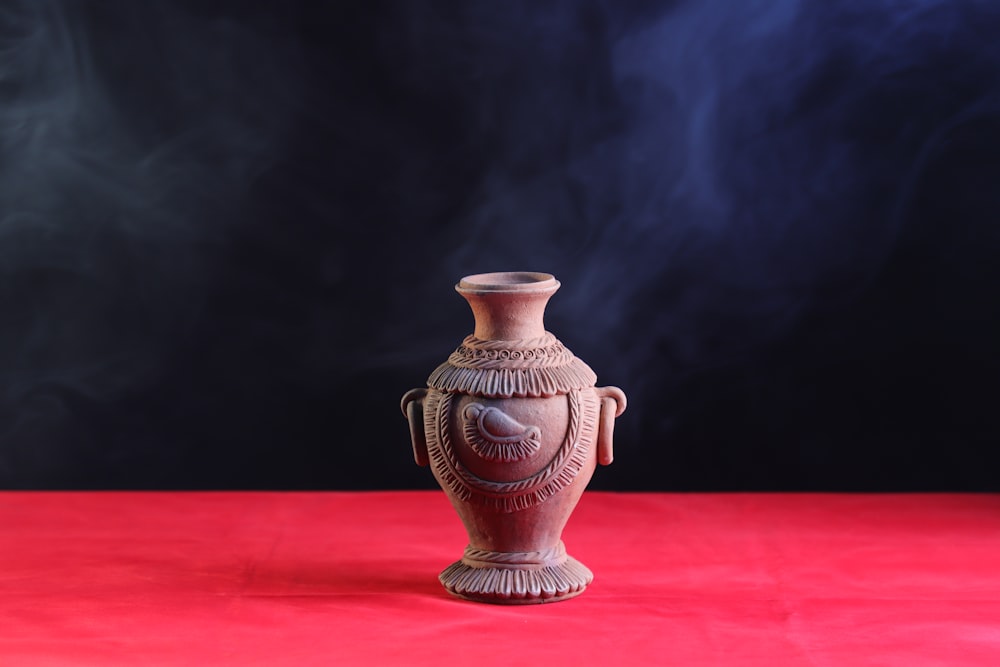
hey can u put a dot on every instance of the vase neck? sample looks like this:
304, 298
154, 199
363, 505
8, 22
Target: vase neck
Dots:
510, 305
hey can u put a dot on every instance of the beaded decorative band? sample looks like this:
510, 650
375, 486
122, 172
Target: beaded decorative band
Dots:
533, 353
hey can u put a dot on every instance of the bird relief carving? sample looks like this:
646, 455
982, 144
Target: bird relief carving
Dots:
496, 436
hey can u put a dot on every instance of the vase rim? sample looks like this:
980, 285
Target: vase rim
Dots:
508, 281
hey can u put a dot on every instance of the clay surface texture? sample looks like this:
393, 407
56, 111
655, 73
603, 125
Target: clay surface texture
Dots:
513, 427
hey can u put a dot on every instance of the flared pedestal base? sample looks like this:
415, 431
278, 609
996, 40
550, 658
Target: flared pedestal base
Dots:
499, 577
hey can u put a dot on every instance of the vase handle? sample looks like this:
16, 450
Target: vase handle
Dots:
613, 404
413, 409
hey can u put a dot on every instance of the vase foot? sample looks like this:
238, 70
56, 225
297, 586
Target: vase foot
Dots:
500, 577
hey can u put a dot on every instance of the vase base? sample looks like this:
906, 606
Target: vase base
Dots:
516, 578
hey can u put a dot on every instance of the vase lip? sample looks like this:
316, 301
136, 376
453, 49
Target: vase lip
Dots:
508, 281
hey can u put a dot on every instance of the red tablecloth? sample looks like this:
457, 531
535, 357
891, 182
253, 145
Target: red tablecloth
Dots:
217, 578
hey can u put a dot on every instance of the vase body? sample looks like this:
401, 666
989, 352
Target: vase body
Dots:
513, 427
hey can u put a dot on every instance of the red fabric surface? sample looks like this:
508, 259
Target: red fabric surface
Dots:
114, 578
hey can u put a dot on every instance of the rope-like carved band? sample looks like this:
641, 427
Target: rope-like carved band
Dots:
544, 557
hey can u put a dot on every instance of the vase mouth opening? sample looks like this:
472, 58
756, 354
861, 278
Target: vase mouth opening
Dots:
508, 281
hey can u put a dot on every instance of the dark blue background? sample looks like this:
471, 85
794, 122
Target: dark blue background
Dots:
229, 233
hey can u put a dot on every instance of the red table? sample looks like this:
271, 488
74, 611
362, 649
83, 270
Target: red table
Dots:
219, 578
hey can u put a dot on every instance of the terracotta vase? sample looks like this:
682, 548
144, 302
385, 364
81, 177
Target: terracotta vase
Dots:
513, 428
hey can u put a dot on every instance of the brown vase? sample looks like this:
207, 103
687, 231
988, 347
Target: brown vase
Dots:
513, 428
